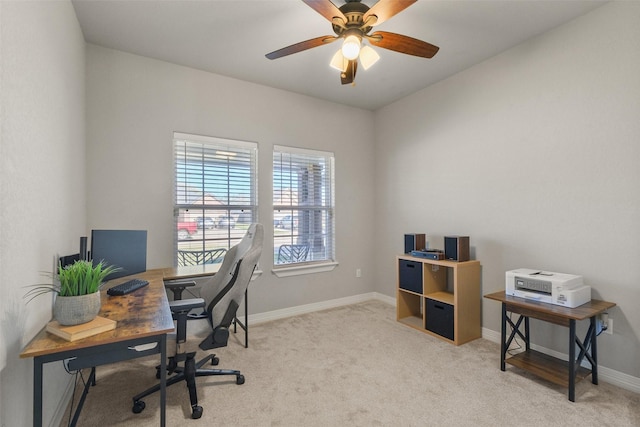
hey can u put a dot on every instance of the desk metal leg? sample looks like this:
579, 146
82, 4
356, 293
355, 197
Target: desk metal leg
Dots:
246, 318
90, 382
527, 337
594, 350
163, 379
572, 360
503, 337
37, 392
245, 325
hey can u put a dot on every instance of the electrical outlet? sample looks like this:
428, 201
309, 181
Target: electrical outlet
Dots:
604, 324
358, 272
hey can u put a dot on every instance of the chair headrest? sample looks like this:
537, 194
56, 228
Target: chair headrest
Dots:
253, 236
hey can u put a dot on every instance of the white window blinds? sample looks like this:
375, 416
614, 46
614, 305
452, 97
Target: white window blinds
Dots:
303, 206
215, 195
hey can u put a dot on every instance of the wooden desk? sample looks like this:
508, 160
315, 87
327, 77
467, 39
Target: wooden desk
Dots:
190, 271
150, 324
557, 371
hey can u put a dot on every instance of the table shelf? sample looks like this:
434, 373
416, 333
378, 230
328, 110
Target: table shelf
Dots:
546, 367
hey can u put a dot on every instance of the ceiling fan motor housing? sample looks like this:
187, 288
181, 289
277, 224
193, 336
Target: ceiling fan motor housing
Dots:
353, 11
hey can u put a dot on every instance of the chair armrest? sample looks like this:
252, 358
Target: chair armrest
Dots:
185, 305
178, 286
180, 313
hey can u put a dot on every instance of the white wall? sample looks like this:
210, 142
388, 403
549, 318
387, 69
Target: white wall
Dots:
134, 104
534, 154
41, 182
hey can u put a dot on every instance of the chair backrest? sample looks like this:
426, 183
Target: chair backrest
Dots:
247, 254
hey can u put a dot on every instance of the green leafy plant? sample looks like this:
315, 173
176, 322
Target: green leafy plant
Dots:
79, 278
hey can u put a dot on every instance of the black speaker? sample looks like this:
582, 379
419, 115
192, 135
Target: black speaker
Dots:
456, 248
414, 242
83, 248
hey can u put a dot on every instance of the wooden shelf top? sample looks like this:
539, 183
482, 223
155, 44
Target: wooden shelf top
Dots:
584, 311
445, 297
440, 262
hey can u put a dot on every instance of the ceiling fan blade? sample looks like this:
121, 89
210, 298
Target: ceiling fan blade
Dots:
385, 9
299, 47
326, 9
349, 75
402, 44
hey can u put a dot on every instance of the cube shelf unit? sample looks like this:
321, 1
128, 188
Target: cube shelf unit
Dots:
440, 297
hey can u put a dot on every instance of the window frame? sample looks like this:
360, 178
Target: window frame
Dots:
202, 166
320, 210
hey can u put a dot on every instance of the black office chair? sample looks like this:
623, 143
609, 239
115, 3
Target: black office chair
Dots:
222, 296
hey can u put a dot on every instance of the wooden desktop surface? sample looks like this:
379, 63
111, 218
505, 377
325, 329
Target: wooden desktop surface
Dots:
190, 272
584, 311
144, 312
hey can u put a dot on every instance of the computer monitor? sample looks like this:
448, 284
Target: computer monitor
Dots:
126, 249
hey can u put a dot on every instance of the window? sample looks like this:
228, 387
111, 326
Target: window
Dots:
303, 207
215, 196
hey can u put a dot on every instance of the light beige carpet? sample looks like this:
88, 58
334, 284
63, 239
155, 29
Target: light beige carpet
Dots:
356, 366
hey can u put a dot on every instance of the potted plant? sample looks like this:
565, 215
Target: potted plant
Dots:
77, 289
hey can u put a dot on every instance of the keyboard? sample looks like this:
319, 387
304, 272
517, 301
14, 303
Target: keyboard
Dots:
127, 287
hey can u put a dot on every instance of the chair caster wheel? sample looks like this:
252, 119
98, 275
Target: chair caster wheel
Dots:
239, 379
196, 412
215, 360
138, 406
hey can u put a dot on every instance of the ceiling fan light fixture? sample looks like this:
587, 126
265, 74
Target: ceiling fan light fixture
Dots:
339, 62
368, 57
351, 47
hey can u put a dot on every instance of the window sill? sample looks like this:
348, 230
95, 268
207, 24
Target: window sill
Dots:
298, 270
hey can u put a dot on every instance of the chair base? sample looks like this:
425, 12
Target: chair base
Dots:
188, 373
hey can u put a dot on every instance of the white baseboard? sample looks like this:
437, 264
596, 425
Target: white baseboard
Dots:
324, 305
605, 374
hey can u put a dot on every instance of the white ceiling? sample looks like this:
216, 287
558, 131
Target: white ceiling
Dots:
231, 38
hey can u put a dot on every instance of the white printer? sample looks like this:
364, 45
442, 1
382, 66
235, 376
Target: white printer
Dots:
554, 288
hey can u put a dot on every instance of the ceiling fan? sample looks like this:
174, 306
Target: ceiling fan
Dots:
352, 22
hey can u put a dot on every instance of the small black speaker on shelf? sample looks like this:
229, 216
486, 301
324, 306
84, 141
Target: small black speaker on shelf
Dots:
414, 242
456, 248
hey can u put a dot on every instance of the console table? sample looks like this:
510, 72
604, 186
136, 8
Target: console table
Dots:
547, 367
